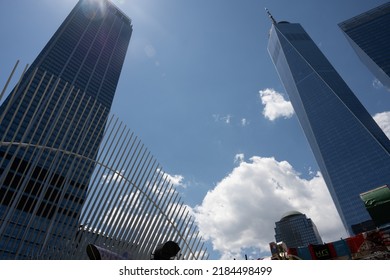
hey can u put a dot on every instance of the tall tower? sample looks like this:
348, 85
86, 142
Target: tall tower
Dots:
369, 35
351, 150
51, 126
296, 230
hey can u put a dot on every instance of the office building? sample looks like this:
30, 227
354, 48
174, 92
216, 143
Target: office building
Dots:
51, 126
351, 150
369, 35
72, 176
296, 230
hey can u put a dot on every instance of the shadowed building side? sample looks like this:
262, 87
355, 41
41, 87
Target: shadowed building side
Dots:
62, 102
369, 36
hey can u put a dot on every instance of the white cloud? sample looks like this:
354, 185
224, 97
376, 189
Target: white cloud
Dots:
239, 214
275, 106
377, 84
244, 122
226, 119
383, 120
239, 158
176, 180
115, 177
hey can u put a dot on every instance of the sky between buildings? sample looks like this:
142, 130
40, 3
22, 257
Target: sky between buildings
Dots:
200, 90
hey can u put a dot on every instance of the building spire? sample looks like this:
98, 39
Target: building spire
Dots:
270, 16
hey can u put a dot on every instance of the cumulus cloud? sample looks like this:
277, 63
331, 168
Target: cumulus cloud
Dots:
275, 106
238, 216
383, 120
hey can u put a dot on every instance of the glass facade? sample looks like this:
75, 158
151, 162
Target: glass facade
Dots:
296, 230
51, 126
351, 150
369, 35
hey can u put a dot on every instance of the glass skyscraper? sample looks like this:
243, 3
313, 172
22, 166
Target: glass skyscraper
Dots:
296, 230
351, 150
369, 35
51, 126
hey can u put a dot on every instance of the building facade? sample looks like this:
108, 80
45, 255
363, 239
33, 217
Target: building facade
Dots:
72, 176
51, 126
369, 36
296, 230
351, 150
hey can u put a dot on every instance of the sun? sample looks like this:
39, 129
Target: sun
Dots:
94, 9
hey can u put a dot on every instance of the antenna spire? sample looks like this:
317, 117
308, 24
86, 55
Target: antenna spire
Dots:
270, 16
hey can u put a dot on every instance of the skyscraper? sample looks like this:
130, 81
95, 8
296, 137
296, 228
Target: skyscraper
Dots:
51, 126
296, 230
351, 150
369, 35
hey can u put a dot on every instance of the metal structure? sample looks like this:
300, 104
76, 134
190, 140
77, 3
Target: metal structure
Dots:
130, 206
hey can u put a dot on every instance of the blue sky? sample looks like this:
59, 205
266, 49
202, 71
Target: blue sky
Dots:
200, 90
